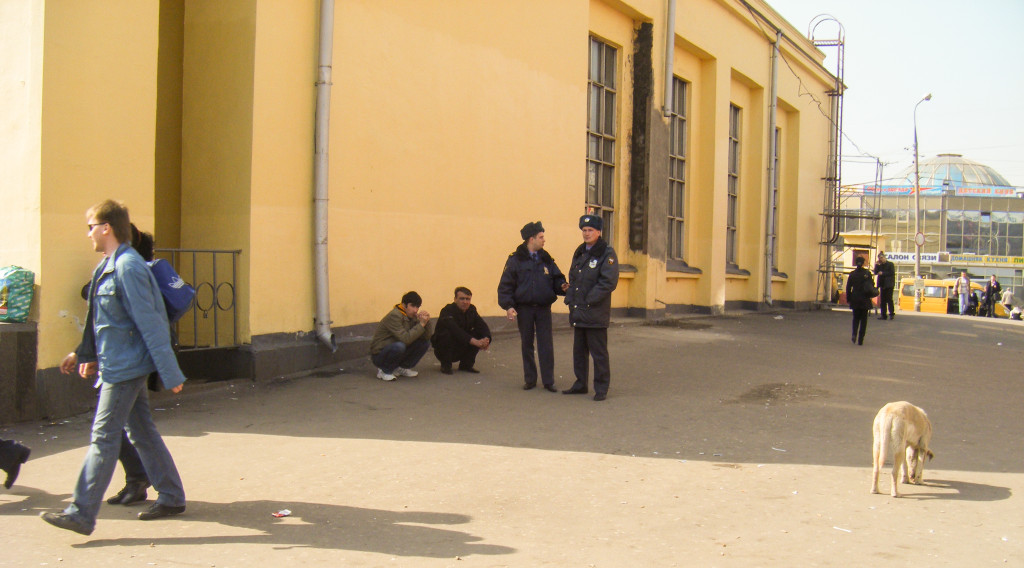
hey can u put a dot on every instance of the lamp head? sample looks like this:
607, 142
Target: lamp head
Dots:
927, 97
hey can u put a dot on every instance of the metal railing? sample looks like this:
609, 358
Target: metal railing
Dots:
212, 321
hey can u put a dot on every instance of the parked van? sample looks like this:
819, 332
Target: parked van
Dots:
937, 297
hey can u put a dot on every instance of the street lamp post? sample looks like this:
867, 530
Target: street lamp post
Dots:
918, 236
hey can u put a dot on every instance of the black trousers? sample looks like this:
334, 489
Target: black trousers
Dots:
885, 301
447, 353
134, 472
536, 321
586, 343
860, 324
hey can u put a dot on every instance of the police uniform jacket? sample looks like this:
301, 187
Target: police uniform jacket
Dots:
592, 279
528, 282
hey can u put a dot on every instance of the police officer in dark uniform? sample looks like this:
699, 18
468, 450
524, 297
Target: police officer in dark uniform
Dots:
592, 279
529, 285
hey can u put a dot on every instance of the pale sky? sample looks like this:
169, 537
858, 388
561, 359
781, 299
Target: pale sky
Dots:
969, 54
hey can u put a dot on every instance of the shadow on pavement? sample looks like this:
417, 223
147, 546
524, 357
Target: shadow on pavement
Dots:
785, 388
400, 533
963, 491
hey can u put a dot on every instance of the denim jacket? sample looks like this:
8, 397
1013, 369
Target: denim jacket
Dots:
127, 329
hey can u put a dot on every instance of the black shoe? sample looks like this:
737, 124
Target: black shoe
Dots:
882, 317
528, 386
133, 492
446, 368
854, 339
158, 510
550, 388
600, 396
860, 342
468, 370
20, 456
66, 522
575, 390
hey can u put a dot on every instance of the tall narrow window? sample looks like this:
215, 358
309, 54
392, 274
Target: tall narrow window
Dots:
732, 208
677, 170
601, 133
775, 201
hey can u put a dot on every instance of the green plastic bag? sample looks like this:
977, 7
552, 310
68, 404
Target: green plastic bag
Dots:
16, 289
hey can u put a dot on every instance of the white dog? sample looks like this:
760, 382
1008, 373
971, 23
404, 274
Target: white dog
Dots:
903, 431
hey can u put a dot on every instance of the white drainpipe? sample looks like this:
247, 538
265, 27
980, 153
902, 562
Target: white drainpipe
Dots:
320, 163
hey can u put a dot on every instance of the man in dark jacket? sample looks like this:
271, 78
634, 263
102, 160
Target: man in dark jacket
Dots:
529, 285
886, 273
859, 302
460, 333
592, 279
993, 291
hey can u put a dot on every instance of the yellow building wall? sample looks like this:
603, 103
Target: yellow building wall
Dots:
280, 252
21, 52
98, 124
453, 124
217, 141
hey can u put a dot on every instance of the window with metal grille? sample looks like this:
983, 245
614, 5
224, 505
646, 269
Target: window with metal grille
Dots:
732, 208
677, 170
600, 196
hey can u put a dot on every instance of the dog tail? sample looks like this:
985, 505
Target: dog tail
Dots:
929, 454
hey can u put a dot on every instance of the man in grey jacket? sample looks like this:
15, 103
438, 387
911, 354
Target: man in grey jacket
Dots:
593, 276
126, 338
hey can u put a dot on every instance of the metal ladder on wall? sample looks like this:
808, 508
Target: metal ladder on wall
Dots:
844, 209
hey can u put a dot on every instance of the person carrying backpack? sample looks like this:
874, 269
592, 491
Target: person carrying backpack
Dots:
859, 299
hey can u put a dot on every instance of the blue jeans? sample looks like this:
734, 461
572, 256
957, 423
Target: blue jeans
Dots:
965, 303
401, 355
120, 405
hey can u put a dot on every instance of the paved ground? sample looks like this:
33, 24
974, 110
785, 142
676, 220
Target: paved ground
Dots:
725, 441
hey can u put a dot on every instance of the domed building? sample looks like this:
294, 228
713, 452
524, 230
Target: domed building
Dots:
972, 219
954, 169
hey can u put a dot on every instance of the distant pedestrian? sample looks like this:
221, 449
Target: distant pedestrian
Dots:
962, 288
530, 283
992, 294
886, 273
127, 338
1008, 300
859, 302
593, 277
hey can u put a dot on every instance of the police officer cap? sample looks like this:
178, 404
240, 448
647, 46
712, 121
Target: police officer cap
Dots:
592, 221
531, 229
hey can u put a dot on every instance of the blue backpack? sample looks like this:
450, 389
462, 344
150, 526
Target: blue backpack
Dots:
177, 293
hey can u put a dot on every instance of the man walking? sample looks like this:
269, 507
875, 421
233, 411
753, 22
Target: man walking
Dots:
402, 339
126, 338
860, 303
460, 333
593, 276
993, 291
529, 285
885, 270
962, 288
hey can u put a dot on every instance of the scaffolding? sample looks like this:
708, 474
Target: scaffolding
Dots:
844, 209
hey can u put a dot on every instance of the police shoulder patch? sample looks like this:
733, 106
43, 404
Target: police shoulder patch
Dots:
611, 261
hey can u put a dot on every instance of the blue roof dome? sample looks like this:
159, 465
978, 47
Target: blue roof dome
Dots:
958, 170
